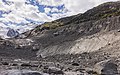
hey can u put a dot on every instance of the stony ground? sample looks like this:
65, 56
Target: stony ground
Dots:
80, 64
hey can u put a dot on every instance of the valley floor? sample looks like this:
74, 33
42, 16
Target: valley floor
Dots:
80, 64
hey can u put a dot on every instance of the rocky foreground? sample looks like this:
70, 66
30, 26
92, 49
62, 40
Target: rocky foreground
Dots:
83, 44
95, 63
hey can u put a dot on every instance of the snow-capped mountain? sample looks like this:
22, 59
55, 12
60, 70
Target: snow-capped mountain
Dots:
12, 33
9, 32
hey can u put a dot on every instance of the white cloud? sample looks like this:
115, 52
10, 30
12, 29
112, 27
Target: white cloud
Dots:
76, 6
80, 6
38, 16
20, 11
51, 2
47, 10
55, 10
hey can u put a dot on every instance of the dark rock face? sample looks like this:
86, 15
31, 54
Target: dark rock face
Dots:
75, 64
106, 67
53, 70
12, 33
26, 65
110, 69
5, 63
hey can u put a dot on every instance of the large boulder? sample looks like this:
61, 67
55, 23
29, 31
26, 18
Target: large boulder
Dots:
53, 70
107, 67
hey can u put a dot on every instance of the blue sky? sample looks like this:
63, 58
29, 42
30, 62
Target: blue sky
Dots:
19, 14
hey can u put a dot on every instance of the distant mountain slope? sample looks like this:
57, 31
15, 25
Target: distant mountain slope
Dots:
76, 34
106, 10
80, 33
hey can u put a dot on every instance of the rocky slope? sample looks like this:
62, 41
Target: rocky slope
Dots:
85, 32
85, 44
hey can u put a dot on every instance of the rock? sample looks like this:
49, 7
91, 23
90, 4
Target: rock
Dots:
110, 68
35, 47
14, 64
88, 71
21, 72
5, 63
106, 67
17, 60
25, 65
17, 47
74, 73
118, 30
35, 65
53, 70
92, 72
34, 73
75, 64
56, 34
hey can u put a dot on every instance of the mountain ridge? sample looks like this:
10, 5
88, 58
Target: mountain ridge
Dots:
100, 12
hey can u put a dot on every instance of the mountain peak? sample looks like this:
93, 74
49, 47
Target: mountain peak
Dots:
12, 33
